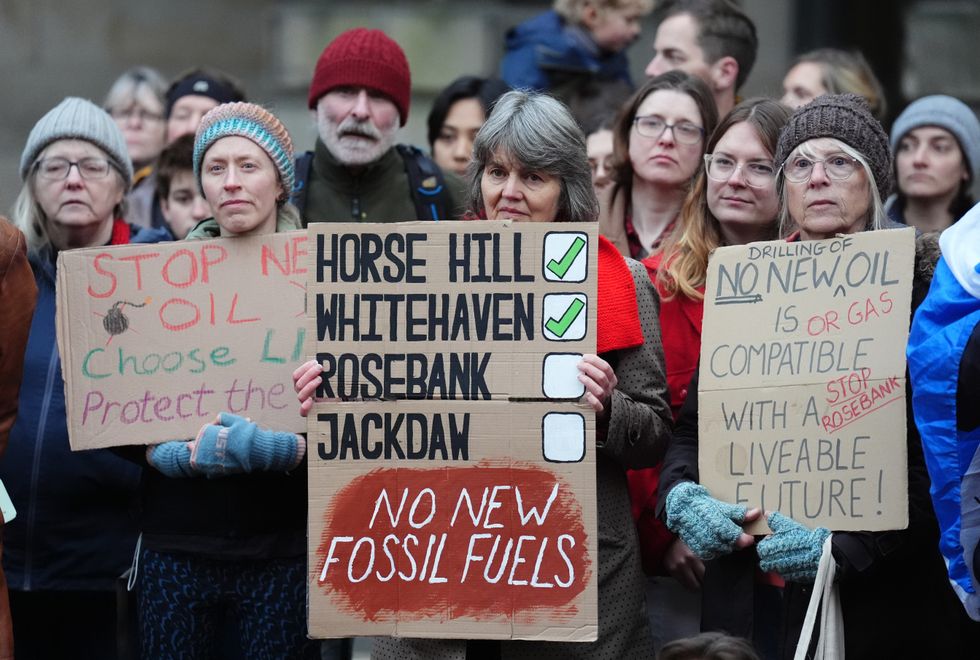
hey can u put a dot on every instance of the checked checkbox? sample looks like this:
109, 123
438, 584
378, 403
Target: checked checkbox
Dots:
566, 256
564, 316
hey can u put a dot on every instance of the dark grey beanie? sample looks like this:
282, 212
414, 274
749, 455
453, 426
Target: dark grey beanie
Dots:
78, 119
847, 118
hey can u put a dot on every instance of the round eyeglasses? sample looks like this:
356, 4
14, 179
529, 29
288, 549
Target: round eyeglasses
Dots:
652, 126
56, 169
721, 168
837, 167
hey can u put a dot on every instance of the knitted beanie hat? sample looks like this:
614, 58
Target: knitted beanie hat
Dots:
847, 118
249, 121
364, 58
78, 119
945, 112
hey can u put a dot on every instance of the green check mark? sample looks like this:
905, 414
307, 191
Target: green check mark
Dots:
560, 327
559, 268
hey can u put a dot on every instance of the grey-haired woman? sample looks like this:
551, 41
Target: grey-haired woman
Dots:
530, 165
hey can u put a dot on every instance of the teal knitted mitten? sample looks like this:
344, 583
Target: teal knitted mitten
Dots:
792, 550
235, 445
708, 526
172, 458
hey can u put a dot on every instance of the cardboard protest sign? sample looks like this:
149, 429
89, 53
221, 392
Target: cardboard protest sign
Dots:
802, 379
452, 472
157, 339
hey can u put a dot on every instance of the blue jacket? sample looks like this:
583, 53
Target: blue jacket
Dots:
942, 354
75, 527
544, 49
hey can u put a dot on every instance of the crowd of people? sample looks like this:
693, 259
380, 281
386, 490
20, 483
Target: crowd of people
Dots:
213, 528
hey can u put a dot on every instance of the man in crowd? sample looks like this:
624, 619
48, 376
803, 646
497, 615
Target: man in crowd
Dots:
359, 97
711, 39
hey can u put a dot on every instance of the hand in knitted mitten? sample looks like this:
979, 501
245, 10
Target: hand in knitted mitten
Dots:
233, 445
792, 550
709, 527
172, 458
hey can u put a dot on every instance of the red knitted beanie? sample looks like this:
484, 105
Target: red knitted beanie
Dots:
364, 58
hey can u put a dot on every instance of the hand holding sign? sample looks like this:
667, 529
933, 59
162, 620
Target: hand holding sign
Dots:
792, 550
306, 379
711, 528
599, 380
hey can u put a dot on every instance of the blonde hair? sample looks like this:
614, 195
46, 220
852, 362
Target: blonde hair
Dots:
685, 262
571, 10
847, 71
877, 218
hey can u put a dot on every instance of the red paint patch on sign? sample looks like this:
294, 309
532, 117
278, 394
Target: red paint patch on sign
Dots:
487, 540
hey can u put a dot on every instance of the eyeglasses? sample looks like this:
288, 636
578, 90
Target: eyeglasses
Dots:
56, 169
837, 167
652, 126
721, 168
144, 116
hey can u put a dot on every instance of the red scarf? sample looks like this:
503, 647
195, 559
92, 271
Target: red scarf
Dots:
120, 232
618, 318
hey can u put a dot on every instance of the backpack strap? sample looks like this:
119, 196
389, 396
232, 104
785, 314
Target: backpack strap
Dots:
304, 164
427, 183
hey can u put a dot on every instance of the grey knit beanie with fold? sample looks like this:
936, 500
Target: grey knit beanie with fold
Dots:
78, 119
847, 118
944, 112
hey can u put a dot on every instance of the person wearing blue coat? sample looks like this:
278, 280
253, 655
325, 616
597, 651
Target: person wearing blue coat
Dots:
75, 531
577, 48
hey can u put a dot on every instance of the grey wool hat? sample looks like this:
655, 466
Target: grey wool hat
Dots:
944, 112
847, 118
78, 119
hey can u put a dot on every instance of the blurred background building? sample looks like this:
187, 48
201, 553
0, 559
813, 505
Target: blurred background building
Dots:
50, 49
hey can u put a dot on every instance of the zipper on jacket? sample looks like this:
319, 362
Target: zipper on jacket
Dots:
36, 468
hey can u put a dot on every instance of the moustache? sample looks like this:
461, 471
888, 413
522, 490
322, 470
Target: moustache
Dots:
358, 129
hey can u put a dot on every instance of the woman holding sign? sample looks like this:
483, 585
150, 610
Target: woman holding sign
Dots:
224, 514
835, 167
530, 165
73, 535
733, 202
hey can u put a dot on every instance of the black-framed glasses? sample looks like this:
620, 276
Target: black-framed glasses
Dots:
838, 167
720, 167
653, 126
57, 168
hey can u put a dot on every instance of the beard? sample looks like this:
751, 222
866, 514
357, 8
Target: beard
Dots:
355, 142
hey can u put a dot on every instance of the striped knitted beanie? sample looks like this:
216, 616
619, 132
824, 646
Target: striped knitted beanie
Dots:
252, 122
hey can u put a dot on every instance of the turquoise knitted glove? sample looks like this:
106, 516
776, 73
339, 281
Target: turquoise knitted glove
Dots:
172, 458
708, 526
235, 445
792, 550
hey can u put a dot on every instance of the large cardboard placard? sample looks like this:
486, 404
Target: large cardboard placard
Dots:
802, 379
157, 339
452, 473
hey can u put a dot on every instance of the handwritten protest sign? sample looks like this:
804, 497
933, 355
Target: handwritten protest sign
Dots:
452, 475
802, 378
155, 340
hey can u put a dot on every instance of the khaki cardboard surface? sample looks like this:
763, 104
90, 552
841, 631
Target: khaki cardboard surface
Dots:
463, 504
157, 339
802, 379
